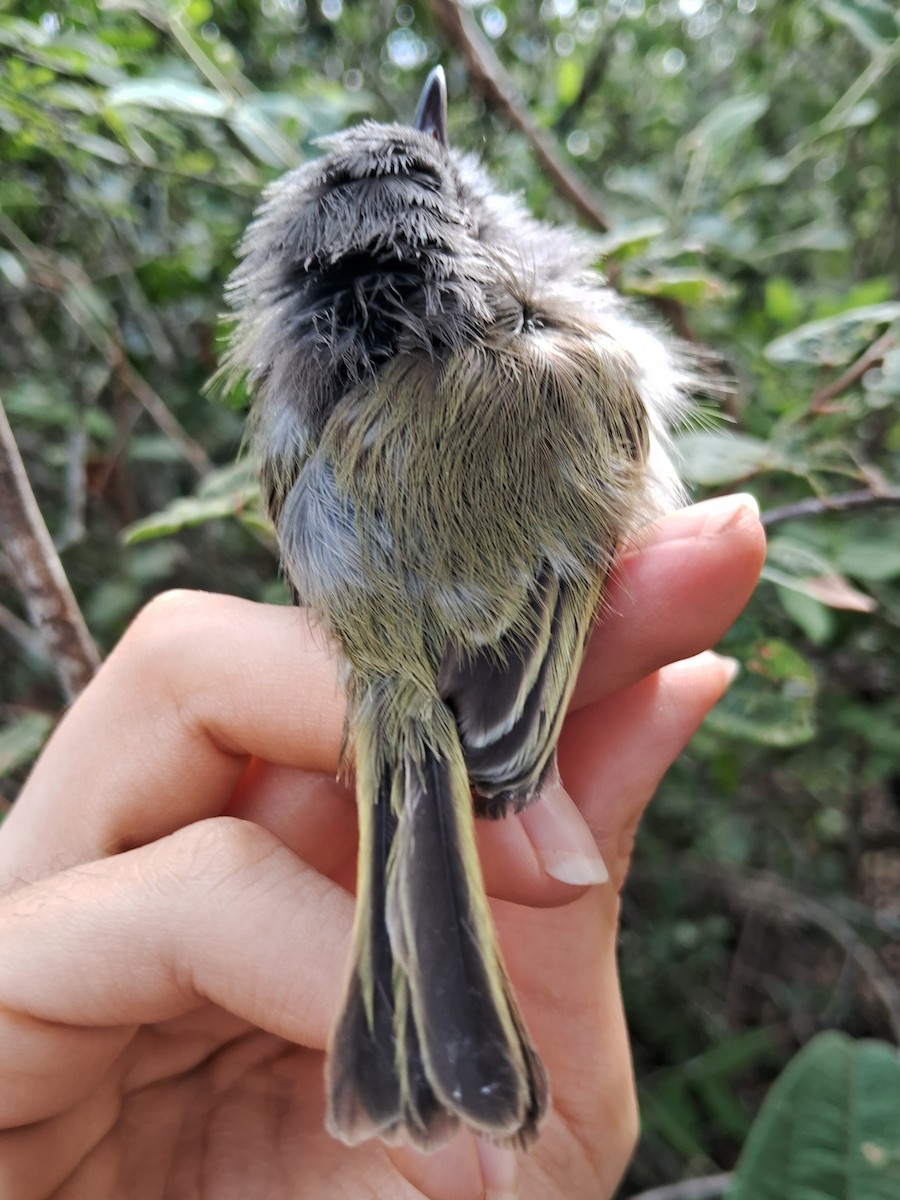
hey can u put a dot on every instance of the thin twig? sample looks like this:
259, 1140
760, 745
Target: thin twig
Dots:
157, 408
704, 1188
39, 573
769, 895
816, 506
869, 358
492, 80
22, 634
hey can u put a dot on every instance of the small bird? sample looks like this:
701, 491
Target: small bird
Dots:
458, 424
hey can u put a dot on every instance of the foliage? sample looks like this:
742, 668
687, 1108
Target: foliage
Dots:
828, 1127
744, 152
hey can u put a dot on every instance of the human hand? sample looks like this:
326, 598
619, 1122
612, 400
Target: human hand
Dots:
176, 908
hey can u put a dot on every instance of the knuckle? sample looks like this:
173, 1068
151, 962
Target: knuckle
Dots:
219, 849
168, 616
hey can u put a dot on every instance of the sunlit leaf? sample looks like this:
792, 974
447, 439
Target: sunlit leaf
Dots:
873, 22
728, 120
711, 457
834, 340
169, 95
683, 284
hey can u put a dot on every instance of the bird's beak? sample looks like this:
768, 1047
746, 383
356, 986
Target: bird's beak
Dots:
431, 115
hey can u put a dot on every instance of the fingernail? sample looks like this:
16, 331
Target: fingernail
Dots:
709, 518
499, 1170
562, 838
731, 667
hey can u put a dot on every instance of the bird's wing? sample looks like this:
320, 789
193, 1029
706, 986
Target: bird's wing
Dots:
509, 699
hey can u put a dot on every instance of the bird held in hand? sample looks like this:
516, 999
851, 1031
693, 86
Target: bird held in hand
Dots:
458, 424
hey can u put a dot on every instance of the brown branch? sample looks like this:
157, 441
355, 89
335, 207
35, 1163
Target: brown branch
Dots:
816, 506
869, 358
706, 1187
39, 574
492, 81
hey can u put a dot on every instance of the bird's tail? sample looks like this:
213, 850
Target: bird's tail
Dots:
429, 1034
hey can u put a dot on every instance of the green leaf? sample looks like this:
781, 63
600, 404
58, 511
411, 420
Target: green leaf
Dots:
712, 458
169, 95
569, 75
21, 740
835, 340
875, 557
229, 492
772, 702
795, 565
813, 617
872, 22
728, 121
829, 1128
784, 303
688, 286
631, 237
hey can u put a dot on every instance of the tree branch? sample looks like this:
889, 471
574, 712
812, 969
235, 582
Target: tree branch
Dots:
492, 81
816, 506
39, 573
869, 358
704, 1188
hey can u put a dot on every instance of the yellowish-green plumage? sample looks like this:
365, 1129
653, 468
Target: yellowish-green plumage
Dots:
458, 426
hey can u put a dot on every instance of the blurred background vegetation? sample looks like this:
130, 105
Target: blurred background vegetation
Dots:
742, 156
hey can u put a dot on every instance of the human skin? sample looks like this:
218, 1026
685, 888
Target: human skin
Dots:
175, 902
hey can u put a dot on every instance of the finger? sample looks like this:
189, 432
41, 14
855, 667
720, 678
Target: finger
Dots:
677, 596
612, 756
220, 911
163, 734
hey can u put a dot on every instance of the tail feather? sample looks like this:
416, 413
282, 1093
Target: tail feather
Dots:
430, 1034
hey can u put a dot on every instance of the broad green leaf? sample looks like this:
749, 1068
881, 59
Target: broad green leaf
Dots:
829, 1128
631, 237
796, 565
772, 701
21, 740
229, 492
814, 618
99, 147
728, 120
818, 235
858, 115
169, 95
712, 458
689, 286
872, 22
834, 340
872, 557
